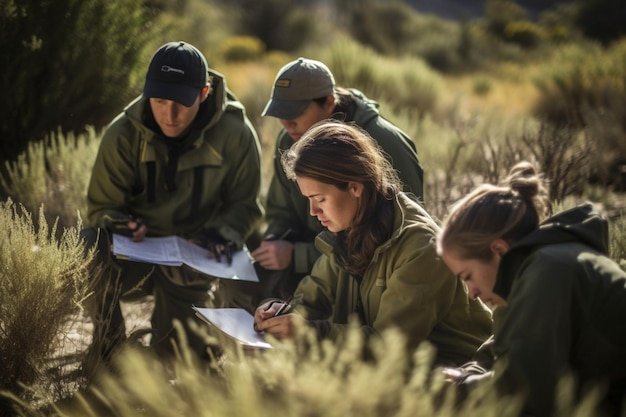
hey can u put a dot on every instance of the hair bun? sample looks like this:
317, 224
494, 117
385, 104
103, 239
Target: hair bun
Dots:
529, 185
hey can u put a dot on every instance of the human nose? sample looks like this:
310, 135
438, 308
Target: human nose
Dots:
171, 110
474, 292
314, 209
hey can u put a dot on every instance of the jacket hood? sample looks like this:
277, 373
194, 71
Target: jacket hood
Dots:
582, 224
366, 108
211, 111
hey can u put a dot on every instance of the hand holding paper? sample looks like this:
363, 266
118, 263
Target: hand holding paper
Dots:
174, 250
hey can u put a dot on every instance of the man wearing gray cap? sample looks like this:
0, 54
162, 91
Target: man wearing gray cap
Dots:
305, 93
181, 159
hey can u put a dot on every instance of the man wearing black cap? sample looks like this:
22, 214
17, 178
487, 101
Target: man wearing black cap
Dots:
305, 93
182, 159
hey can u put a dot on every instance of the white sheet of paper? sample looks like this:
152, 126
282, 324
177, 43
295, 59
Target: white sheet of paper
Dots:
162, 251
235, 322
174, 251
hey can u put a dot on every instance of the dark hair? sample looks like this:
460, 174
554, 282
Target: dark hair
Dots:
490, 212
337, 153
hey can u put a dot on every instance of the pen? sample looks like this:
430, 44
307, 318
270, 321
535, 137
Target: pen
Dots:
283, 307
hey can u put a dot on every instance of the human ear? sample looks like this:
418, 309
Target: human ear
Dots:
330, 102
355, 188
499, 247
204, 93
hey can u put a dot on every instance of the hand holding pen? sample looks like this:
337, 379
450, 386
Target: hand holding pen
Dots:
274, 318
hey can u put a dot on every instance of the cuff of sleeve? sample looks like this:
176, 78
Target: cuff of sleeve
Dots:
229, 233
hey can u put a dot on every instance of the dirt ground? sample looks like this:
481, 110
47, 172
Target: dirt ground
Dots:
75, 338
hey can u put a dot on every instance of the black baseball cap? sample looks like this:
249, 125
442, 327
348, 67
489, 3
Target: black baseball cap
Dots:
178, 71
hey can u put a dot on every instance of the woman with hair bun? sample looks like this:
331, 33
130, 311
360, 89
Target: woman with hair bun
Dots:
561, 300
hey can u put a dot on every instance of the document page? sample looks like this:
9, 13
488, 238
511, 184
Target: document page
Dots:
156, 250
236, 323
197, 258
174, 251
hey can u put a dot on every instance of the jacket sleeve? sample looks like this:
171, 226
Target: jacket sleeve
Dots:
112, 175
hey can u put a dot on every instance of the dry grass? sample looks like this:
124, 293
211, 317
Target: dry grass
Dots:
43, 284
464, 139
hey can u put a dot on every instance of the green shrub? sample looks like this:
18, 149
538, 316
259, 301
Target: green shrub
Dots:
69, 73
54, 173
501, 13
44, 282
525, 33
242, 48
284, 25
387, 27
482, 86
444, 45
586, 86
581, 78
405, 83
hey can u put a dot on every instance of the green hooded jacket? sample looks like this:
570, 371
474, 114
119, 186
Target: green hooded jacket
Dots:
211, 180
287, 209
406, 287
566, 312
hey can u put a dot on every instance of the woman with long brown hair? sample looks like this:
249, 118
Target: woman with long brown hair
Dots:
379, 262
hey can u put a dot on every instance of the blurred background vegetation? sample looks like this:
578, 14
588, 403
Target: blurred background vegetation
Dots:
511, 81
475, 94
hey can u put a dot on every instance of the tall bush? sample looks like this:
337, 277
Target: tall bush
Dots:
44, 282
64, 63
284, 25
585, 85
54, 172
407, 83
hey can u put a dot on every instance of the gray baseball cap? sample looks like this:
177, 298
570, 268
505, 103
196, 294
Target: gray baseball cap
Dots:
296, 84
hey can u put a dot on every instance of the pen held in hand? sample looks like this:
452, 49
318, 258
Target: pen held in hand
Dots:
283, 308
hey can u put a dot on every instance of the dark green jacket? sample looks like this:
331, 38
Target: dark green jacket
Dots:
286, 207
406, 287
566, 310
216, 180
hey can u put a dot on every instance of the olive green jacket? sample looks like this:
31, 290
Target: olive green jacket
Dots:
217, 176
406, 286
286, 207
566, 312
